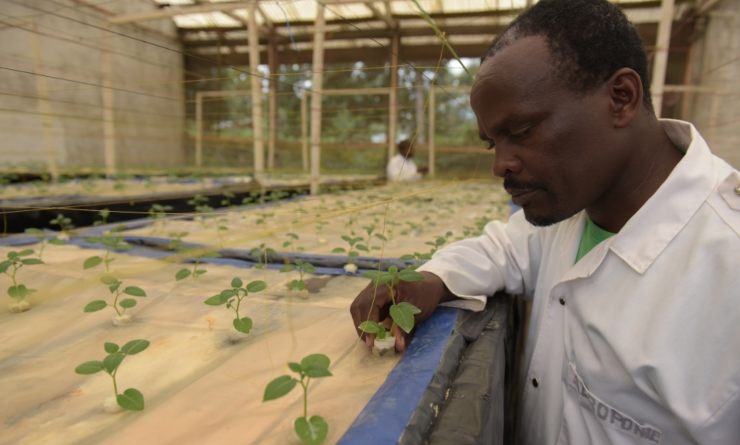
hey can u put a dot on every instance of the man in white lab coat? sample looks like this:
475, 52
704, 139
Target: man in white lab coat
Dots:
627, 245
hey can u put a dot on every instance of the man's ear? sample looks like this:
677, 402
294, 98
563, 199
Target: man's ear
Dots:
625, 94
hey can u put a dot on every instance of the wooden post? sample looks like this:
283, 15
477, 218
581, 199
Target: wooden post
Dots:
393, 96
199, 129
304, 130
421, 136
272, 102
660, 61
109, 124
316, 88
256, 84
432, 125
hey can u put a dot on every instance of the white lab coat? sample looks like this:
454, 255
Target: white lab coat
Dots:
639, 342
400, 168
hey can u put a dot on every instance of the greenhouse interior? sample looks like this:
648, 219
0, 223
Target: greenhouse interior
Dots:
205, 184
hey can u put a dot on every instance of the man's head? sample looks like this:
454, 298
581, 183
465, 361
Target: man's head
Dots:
560, 109
588, 39
406, 148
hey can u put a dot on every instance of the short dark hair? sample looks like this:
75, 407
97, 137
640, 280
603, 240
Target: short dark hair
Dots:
404, 147
589, 40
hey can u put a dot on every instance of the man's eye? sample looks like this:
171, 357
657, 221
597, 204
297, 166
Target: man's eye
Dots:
519, 132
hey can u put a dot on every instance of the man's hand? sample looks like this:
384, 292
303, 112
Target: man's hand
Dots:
374, 304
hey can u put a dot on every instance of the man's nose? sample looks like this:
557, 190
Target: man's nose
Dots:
505, 161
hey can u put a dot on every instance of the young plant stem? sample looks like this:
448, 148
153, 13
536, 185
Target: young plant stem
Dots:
115, 385
238, 303
115, 305
305, 396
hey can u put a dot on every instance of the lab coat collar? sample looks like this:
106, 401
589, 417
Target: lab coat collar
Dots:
661, 218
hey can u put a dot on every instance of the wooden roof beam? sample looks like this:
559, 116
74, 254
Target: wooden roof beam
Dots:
379, 15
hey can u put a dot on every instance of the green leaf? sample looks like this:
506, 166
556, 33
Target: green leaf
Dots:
127, 303
25, 252
410, 275
256, 286
339, 250
381, 237
32, 261
114, 287
316, 365
407, 257
20, 291
216, 300
108, 279
5, 265
92, 262
134, 291
134, 346
96, 305
295, 367
110, 347
362, 247
131, 399
311, 431
112, 361
287, 268
403, 315
199, 272
182, 274
347, 238
90, 367
308, 268
279, 387
243, 324
296, 285
371, 327
236, 283
57, 242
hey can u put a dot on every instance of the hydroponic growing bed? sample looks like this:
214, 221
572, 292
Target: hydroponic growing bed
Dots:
196, 315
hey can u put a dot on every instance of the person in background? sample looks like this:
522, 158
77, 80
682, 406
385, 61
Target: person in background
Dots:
401, 167
627, 245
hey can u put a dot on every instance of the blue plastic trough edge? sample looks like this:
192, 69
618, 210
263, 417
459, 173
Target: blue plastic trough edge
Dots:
385, 416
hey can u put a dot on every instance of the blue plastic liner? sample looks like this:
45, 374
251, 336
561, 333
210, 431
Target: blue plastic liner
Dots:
385, 416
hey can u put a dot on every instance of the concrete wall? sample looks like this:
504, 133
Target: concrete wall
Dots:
716, 112
43, 117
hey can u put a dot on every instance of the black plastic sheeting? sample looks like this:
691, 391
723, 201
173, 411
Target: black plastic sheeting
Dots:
470, 399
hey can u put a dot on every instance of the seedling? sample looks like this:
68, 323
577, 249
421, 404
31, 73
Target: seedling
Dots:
370, 231
114, 286
354, 246
131, 399
311, 430
402, 314
290, 242
196, 271
226, 201
104, 214
417, 258
263, 217
40, 235
438, 242
110, 242
18, 291
303, 267
261, 255
176, 240
157, 213
233, 297
64, 223
200, 204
